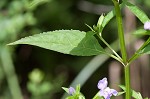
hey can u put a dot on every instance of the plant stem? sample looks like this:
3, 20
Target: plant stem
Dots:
95, 97
120, 31
123, 48
127, 81
119, 58
114, 57
10, 73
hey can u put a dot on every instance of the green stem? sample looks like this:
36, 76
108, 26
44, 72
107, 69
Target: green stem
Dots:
95, 97
10, 73
119, 58
123, 48
127, 81
120, 31
114, 57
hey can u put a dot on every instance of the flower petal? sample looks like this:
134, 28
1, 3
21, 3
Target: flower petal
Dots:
102, 84
71, 90
104, 94
107, 93
114, 92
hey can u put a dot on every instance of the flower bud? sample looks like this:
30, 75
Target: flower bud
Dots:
147, 25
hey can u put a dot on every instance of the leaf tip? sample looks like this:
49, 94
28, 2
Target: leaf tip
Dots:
13, 43
10, 44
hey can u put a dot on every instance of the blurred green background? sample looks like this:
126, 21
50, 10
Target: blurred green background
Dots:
29, 72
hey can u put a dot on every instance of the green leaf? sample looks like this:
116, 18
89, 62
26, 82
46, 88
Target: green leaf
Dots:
66, 89
135, 94
97, 96
146, 98
78, 89
145, 47
75, 97
109, 16
72, 42
103, 20
137, 12
120, 93
141, 32
81, 97
100, 20
145, 50
99, 23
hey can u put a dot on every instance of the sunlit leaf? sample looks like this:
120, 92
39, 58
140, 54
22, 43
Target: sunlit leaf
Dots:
99, 23
120, 93
66, 89
137, 12
141, 32
78, 88
72, 42
135, 94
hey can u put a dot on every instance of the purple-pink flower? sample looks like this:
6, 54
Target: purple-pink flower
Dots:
147, 25
105, 91
71, 90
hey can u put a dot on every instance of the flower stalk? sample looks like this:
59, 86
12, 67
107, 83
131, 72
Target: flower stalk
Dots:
123, 47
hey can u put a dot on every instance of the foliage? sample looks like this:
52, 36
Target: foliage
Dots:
25, 16
72, 42
76, 95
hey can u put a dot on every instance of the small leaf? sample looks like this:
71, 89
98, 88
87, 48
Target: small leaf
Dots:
145, 47
137, 12
78, 89
99, 23
109, 16
122, 87
135, 94
100, 20
141, 32
120, 93
72, 42
66, 89
70, 97
146, 50
97, 96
